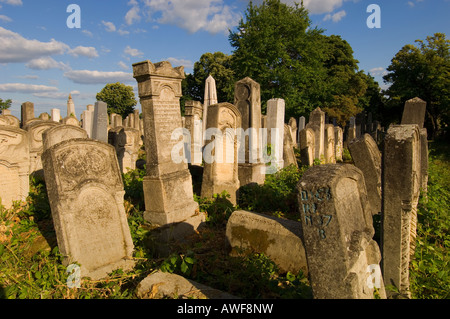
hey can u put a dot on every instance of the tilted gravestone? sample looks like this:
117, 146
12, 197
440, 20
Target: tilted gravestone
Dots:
337, 233
401, 190
85, 192
14, 165
367, 158
168, 185
60, 133
220, 171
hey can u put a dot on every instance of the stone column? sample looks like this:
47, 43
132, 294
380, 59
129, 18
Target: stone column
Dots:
27, 113
210, 98
275, 121
100, 127
168, 185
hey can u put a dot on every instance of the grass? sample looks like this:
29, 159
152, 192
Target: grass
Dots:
30, 262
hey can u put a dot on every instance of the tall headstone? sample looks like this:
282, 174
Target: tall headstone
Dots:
56, 115
220, 171
210, 98
27, 113
126, 142
367, 158
301, 126
168, 185
330, 144
317, 124
414, 112
100, 126
70, 107
339, 143
275, 129
14, 165
401, 189
337, 233
88, 122
85, 191
247, 98
307, 141
293, 125
288, 148
193, 113
351, 133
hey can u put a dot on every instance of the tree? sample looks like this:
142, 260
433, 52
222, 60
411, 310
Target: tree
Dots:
422, 71
119, 97
218, 65
4, 105
277, 47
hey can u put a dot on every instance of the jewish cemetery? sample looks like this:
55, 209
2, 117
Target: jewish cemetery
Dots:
244, 179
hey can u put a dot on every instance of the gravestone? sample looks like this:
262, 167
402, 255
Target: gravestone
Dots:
71, 107
401, 190
60, 133
330, 144
56, 115
288, 148
293, 125
35, 130
317, 124
247, 98
168, 184
27, 113
85, 191
100, 126
339, 143
126, 143
414, 112
337, 233
220, 171
307, 146
424, 160
193, 115
9, 120
367, 158
351, 133
136, 119
210, 98
44, 116
301, 126
71, 120
277, 238
275, 130
14, 165
88, 122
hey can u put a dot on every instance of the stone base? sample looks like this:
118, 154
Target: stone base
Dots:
251, 173
169, 199
209, 189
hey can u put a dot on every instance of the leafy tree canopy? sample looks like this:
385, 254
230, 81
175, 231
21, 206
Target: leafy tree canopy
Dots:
119, 97
422, 70
4, 105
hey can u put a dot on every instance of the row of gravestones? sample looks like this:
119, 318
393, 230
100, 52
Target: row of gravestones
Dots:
86, 195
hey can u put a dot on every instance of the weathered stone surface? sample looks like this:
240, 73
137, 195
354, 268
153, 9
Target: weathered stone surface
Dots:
35, 130
317, 124
414, 112
100, 126
221, 172
71, 120
168, 184
279, 239
330, 144
8, 119
247, 99
401, 190
27, 113
367, 158
85, 191
288, 148
60, 133
293, 125
193, 123
307, 146
14, 165
160, 285
275, 121
56, 115
210, 98
339, 143
126, 142
337, 232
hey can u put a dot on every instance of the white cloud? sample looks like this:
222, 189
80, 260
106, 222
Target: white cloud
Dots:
178, 62
15, 48
379, 71
5, 18
194, 15
133, 15
335, 17
28, 76
88, 33
90, 52
97, 77
46, 63
110, 27
12, 2
123, 32
133, 52
123, 65
26, 88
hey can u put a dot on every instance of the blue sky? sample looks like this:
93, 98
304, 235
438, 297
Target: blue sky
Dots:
42, 60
